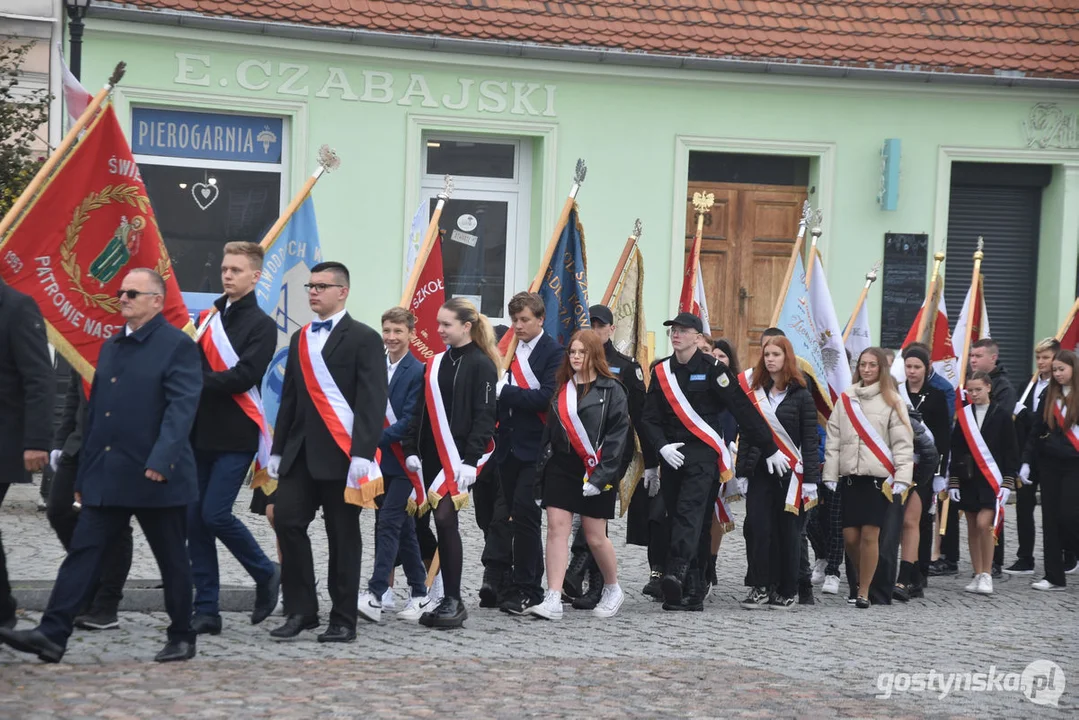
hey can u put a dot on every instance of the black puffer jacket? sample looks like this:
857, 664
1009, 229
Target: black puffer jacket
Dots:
926, 457
798, 416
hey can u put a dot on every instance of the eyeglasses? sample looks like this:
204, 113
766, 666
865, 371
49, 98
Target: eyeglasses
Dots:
680, 330
319, 287
132, 294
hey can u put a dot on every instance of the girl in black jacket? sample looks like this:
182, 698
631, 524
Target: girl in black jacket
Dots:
466, 378
773, 521
580, 458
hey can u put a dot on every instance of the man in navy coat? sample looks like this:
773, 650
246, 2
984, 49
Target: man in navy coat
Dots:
136, 460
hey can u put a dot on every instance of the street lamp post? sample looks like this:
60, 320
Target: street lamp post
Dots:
76, 11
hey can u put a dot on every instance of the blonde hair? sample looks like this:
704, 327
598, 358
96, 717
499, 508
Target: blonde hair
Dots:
251, 250
889, 389
482, 333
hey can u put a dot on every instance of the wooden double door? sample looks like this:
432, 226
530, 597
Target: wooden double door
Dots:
745, 248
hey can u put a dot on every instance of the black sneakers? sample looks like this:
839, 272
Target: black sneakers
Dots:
757, 598
1021, 567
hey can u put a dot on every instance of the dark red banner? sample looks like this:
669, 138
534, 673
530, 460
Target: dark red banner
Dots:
430, 295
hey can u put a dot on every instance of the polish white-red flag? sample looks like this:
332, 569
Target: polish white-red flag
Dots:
693, 299
76, 97
975, 315
942, 353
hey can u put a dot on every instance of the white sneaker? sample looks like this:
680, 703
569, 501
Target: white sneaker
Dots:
389, 602
416, 606
1073, 569
818, 571
437, 591
550, 608
369, 607
972, 587
1048, 586
985, 584
279, 609
610, 600
831, 585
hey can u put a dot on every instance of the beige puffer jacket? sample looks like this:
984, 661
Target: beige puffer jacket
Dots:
846, 454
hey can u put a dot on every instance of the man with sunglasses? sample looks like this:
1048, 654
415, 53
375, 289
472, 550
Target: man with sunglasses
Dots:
136, 459
333, 405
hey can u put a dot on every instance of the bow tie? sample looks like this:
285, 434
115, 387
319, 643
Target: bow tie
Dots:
326, 325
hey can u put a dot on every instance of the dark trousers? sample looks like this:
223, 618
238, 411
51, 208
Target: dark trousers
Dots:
824, 528
395, 536
210, 518
64, 518
299, 497
1060, 515
98, 530
891, 531
704, 539
518, 479
1026, 499
685, 493
775, 551
493, 519
7, 600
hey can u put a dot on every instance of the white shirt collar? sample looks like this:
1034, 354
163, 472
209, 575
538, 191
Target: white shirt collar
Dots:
334, 319
391, 366
531, 344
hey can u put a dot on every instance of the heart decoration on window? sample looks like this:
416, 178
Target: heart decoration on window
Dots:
205, 194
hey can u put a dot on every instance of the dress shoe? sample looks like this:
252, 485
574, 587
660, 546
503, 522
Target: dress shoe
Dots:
175, 651
337, 634
943, 567
206, 624
266, 596
33, 642
490, 588
861, 603
97, 620
450, 614
671, 585
294, 625
901, 592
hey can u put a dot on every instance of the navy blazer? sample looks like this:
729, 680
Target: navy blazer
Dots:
406, 392
142, 405
520, 428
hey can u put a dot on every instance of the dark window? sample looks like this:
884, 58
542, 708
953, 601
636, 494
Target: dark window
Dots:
474, 258
470, 159
749, 169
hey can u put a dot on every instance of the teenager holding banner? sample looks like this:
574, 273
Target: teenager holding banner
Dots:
449, 438
230, 431
580, 465
870, 448
1054, 445
983, 467
333, 404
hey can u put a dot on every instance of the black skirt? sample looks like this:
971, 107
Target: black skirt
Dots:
976, 494
863, 501
563, 487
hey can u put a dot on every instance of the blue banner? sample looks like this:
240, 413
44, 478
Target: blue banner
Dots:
206, 136
565, 284
281, 294
796, 320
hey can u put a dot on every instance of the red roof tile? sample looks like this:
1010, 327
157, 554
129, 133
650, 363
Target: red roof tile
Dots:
1037, 38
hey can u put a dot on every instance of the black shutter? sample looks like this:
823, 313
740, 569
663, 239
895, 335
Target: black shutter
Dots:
1008, 218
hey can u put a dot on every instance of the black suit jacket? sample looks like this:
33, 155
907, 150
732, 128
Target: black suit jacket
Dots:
356, 359
27, 386
68, 437
520, 427
221, 426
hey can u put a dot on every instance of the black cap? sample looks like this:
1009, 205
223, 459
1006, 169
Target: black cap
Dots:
688, 320
602, 313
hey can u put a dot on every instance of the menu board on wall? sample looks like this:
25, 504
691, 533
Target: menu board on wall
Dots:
903, 285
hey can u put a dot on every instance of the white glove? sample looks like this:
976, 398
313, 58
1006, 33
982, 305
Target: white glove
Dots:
590, 490
778, 464
273, 466
466, 478
832, 485
54, 459
898, 488
953, 493
939, 484
671, 455
741, 485
1019, 408
501, 384
413, 464
651, 481
358, 468
1024, 474
1005, 493
809, 491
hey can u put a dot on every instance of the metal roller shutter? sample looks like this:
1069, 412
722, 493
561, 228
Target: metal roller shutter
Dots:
1008, 218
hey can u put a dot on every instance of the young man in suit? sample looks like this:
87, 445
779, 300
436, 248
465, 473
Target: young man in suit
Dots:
395, 532
236, 349
136, 459
328, 428
524, 397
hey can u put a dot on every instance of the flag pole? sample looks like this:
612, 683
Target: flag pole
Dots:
975, 307
620, 267
563, 217
428, 243
815, 233
795, 251
927, 323
61, 151
702, 203
1060, 333
870, 278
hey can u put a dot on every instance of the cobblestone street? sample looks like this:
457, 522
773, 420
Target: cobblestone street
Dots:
821, 661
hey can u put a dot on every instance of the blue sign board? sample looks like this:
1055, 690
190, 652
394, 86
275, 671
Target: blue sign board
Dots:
207, 136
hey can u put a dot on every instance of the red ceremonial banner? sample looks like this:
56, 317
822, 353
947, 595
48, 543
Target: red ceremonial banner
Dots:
429, 296
70, 251
1069, 339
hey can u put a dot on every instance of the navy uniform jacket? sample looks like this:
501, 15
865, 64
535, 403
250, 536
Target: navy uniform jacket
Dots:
27, 385
142, 406
519, 425
406, 391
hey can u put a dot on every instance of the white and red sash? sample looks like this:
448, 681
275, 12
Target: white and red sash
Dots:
727, 495
417, 500
692, 419
794, 501
524, 377
221, 356
445, 482
983, 457
1072, 433
872, 440
335, 411
575, 430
